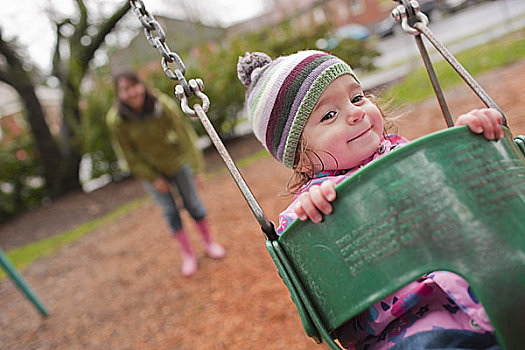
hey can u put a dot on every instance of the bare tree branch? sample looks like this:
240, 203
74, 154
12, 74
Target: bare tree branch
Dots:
57, 68
104, 29
5, 77
62, 163
6, 49
81, 27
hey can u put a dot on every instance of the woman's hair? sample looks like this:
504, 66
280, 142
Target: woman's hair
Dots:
306, 157
125, 110
127, 74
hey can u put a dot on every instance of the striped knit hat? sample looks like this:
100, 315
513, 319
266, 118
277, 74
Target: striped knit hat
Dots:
282, 93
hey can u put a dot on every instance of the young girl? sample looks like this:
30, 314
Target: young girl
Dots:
309, 111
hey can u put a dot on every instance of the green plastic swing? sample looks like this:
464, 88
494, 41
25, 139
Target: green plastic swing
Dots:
448, 201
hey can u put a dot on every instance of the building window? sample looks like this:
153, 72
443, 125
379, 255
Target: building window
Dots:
319, 15
357, 7
305, 20
342, 10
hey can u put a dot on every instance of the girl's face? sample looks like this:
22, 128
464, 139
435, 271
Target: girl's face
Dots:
131, 93
345, 127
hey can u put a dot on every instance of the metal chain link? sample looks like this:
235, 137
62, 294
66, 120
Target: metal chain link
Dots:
408, 15
157, 38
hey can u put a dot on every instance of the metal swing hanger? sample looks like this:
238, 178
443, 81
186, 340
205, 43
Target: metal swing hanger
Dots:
415, 22
193, 88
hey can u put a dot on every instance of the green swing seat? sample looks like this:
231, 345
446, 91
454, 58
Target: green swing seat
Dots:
448, 201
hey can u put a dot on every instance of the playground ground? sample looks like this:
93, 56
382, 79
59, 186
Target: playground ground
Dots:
119, 286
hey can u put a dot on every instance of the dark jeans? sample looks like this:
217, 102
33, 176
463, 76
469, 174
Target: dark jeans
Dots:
183, 180
449, 339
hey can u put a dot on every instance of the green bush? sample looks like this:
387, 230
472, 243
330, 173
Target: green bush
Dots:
96, 142
21, 177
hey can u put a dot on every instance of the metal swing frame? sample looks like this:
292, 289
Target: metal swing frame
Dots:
305, 283
21, 283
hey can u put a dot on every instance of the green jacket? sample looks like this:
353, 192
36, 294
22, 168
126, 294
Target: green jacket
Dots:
156, 146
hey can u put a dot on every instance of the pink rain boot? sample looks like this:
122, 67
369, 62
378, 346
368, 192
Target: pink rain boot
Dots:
189, 260
214, 250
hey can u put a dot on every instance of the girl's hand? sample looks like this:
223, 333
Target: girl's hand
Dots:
316, 202
485, 121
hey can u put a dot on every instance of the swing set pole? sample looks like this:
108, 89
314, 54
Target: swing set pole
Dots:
20, 282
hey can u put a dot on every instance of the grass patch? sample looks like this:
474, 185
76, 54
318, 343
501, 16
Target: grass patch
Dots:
23, 256
498, 53
254, 157
241, 163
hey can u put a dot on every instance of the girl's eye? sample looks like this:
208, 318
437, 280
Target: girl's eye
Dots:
328, 116
358, 98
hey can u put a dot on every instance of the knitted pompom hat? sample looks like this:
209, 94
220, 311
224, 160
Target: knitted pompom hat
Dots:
282, 93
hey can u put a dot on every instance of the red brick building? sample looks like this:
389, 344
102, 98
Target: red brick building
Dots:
305, 13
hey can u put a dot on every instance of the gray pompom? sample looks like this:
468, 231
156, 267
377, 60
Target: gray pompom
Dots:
249, 64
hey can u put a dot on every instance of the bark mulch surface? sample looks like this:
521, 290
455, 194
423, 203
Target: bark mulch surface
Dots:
119, 286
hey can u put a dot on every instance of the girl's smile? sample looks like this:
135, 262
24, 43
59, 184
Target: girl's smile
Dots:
131, 93
361, 134
345, 127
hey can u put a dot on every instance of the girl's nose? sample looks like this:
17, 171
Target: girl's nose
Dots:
354, 114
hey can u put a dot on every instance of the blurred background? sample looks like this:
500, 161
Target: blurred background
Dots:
118, 286
57, 57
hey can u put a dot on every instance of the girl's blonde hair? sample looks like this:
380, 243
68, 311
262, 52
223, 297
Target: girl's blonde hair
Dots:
305, 157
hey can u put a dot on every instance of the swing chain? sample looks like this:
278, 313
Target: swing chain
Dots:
157, 38
196, 86
409, 17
